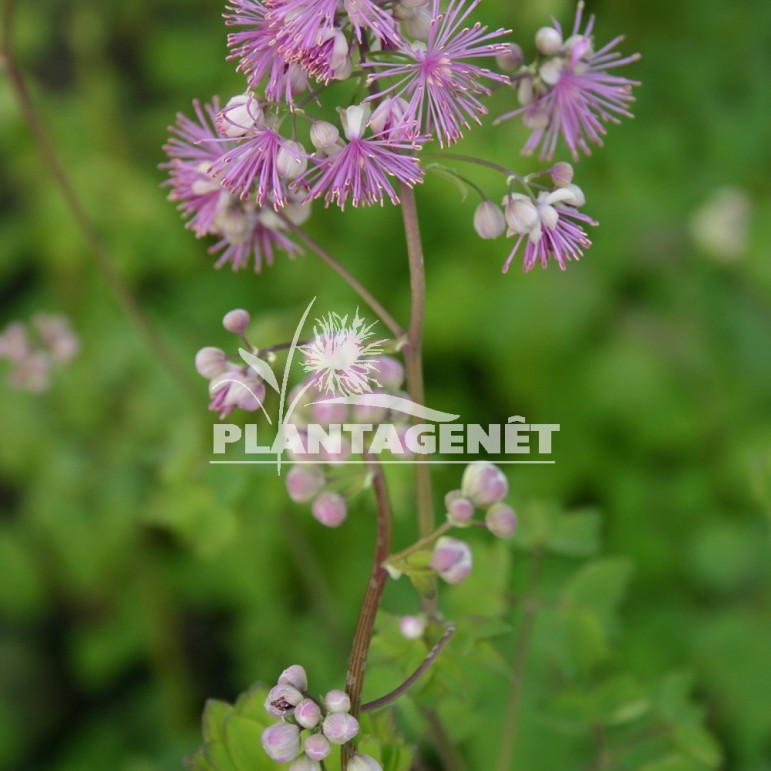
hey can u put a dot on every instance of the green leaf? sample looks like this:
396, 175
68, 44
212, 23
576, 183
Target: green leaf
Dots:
621, 700
242, 737
575, 534
698, 744
599, 586
672, 763
218, 757
673, 699
212, 722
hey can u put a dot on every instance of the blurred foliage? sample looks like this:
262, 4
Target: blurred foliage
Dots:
136, 580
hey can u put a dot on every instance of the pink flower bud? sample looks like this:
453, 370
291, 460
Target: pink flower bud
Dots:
459, 509
561, 174
521, 214
240, 115
412, 627
324, 134
389, 116
291, 160
317, 747
281, 742
294, 676
282, 700
510, 60
548, 41
236, 321
304, 763
337, 701
340, 727
330, 509
210, 362
389, 372
14, 343
451, 560
489, 221
307, 713
304, 483
484, 484
324, 413
364, 763
501, 520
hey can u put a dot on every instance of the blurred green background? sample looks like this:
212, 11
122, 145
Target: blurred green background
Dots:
136, 580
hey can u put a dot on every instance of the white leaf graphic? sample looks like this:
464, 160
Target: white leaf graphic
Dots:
262, 368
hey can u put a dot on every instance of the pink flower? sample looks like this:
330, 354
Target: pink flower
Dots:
573, 94
439, 79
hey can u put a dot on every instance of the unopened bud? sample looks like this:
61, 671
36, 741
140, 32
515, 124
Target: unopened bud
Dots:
294, 676
389, 116
551, 70
210, 362
240, 115
520, 212
511, 59
307, 713
501, 520
282, 699
330, 509
317, 747
451, 559
324, 412
561, 174
337, 701
459, 509
389, 372
291, 160
484, 484
340, 727
548, 41
281, 742
304, 483
304, 763
535, 117
236, 321
419, 24
364, 763
489, 221
324, 134
412, 627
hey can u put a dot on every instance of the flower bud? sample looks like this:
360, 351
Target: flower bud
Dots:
525, 90
354, 120
484, 484
337, 701
364, 763
291, 160
317, 747
412, 627
324, 413
389, 116
451, 559
501, 520
14, 343
459, 509
344, 69
330, 509
307, 713
520, 212
210, 362
550, 71
281, 742
304, 763
324, 134
489, 221
294, 676
240, 115
561, 174
419, 24
282, 700
535, 117
304, 483
389, 372
340, 727
548, 41
236, 321
511, 59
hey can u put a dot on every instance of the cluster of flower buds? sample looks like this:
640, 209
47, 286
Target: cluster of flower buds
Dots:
32, 358
546, 218
320, 477
231, 384
484, 486
308, 728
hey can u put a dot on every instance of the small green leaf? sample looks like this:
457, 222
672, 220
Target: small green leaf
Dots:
576, 534
214, 715
242, 737
698, 744
599, 586
672, 763
218, 757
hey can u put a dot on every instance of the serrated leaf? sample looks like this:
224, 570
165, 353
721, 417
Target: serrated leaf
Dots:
262, 368
251, 704
213, 719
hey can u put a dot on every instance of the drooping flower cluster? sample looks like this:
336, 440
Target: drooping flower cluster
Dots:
35, 351
309, 727
570, 91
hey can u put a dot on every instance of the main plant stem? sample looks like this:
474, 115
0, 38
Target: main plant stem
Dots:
357, 663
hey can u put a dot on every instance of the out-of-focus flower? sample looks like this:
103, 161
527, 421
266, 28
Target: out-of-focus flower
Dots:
720, 226
281, 742
451, 559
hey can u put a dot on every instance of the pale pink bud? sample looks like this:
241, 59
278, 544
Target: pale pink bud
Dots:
340, 727
459, 509
324, 134
521, 214
14, 343
317, 747
561, 174
355, 119
56, 333
501, 520
330, 509
451, 560
307, 713
389, 116
240, 115
337, 701
304, 763
210, 362
489, 221
282, 699
535, 117
484, 484
236, 321
548, 41
551, 71
324, 413
304, 483
281, 742
389, 372
364, 763
412, 627
369, 413
291, 160
511, 59
294, 676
